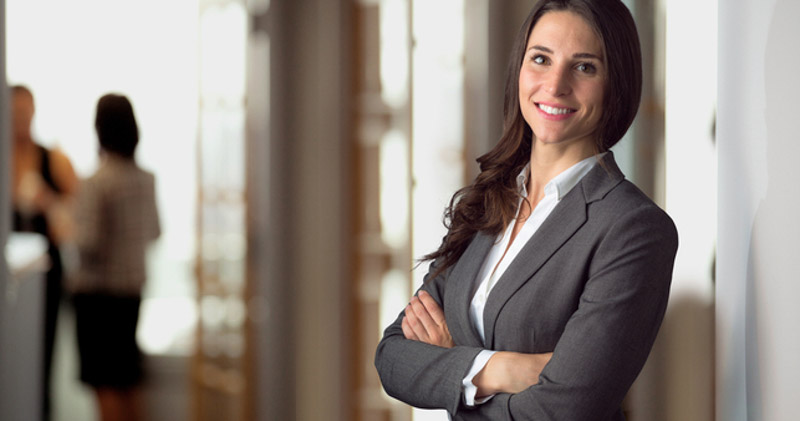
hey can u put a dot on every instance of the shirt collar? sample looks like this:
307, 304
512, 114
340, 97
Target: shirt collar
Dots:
561, 184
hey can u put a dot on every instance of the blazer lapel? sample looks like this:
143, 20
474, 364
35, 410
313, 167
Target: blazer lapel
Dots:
567, 217
458, 294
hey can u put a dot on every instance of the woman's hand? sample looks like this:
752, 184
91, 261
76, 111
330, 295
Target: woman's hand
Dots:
424, 321
506, 372
510, 372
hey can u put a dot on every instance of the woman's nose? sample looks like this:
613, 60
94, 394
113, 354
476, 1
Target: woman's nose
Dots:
558, 82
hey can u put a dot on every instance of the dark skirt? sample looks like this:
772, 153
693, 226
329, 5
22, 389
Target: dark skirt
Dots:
106, 330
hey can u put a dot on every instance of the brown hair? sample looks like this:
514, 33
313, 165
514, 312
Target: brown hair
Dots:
116, 126
489, 203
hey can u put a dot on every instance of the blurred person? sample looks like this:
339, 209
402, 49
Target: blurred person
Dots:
545, 297
43, 189
116, 219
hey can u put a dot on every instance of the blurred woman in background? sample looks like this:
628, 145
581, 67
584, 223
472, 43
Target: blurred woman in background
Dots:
116, 219
43, 190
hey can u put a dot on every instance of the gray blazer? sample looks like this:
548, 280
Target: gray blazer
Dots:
591, 286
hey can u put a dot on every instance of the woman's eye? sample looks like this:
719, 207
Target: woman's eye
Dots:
539, 59
586, 68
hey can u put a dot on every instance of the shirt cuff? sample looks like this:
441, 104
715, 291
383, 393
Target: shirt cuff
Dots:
470, 390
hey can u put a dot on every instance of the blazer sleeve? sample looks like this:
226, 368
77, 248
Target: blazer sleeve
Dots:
419, 374
607, 340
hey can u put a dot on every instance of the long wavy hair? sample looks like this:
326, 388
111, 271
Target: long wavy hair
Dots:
489, 204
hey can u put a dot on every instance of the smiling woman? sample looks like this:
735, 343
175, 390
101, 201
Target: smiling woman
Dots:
546, 295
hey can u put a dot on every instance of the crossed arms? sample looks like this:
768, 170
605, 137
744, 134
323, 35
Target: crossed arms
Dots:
505, 372
601, 350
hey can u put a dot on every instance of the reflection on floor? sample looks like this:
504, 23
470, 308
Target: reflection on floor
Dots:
166, 387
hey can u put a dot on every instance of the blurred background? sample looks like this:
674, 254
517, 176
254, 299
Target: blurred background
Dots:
304, 152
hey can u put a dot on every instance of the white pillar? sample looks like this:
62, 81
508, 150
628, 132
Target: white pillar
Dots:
758, 273
686, 344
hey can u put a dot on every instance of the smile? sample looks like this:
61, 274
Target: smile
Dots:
554, 110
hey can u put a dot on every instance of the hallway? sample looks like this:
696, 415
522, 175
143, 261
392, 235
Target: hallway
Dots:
304, 151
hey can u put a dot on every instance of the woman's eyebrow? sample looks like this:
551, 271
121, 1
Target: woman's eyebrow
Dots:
587, 55
541, 48
576, 55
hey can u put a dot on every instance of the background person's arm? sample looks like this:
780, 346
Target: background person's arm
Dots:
59, 207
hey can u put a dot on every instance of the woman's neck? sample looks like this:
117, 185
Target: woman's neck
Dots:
550, 160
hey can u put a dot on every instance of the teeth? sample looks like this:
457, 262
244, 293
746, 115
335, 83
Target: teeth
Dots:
554, 110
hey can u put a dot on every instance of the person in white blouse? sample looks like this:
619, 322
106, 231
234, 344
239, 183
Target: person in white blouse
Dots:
545, 297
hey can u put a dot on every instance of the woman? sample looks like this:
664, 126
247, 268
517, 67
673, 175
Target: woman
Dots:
116, 219
545, 297
44, 186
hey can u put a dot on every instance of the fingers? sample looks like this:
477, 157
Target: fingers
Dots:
428, 327
407, 331
414, 327
433, 309
424, 321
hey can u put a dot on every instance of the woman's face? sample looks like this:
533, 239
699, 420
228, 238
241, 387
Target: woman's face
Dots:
562, 79
21, 116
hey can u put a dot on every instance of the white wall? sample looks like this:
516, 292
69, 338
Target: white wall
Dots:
685, 346
758, 341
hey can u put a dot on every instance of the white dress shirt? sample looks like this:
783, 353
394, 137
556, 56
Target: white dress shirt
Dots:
496, 263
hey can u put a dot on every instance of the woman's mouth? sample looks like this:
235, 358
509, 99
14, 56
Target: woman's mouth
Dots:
554, 110
553, 113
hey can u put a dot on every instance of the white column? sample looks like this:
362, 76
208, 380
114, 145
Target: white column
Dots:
759, 202
685, 344
437, 129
